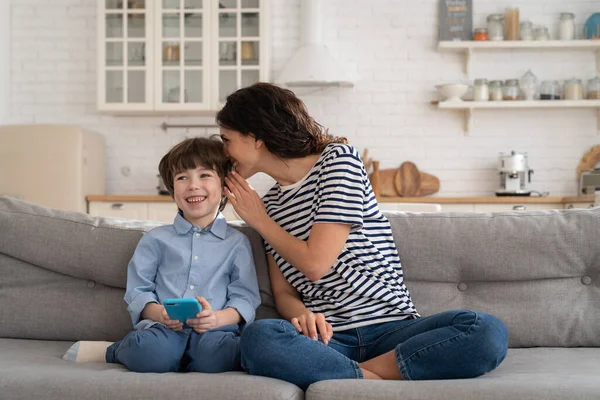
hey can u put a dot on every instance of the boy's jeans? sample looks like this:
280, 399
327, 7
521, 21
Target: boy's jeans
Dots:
449, 345
160, 349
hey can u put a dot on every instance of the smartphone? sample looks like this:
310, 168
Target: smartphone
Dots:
182, 309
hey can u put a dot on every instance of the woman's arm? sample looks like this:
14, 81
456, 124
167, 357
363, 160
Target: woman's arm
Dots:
314, 257
290, 306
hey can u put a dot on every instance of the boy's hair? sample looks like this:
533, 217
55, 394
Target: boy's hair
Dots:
191, 154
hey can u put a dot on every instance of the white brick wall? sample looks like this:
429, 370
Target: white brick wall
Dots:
390, 43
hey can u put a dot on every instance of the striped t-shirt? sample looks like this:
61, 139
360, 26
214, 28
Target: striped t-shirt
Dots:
365, 285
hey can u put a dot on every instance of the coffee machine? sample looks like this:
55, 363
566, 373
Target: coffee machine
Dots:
514, 174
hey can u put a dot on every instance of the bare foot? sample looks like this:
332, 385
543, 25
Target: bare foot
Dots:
369, 375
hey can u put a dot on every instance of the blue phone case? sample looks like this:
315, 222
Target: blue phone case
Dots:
182, 309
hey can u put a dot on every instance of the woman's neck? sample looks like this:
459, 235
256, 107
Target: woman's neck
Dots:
289, 171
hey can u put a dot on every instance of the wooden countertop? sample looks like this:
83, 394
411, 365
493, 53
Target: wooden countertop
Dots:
436, 200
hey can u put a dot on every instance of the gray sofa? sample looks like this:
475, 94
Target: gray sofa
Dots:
62, 276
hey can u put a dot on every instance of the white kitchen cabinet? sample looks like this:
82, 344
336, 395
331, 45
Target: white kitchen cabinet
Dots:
517, 207
162, 212
129, 210
458, 207
579, 205
178, 56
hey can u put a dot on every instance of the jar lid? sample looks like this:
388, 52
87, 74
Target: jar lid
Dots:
481, 81
573, 81
511, 82
567, 15
500, 83
495, 17
480, 30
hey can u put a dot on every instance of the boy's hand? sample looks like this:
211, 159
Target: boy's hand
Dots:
168, 322
205, 320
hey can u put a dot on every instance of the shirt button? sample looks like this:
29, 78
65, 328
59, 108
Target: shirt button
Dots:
195, 257
197, 235
192, 287
195, 229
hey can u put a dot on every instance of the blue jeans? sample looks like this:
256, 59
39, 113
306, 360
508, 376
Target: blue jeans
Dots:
449, 345
160, 349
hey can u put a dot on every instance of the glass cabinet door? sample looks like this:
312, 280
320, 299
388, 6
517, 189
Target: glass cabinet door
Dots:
125, 62
239, 37
183, 48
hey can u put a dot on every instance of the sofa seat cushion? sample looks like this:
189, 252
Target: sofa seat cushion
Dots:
33, 369
533, 373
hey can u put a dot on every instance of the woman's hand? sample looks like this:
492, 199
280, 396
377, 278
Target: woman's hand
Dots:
205, 320
311, 324
244, 199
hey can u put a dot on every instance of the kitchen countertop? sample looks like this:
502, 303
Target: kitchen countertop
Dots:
436, 200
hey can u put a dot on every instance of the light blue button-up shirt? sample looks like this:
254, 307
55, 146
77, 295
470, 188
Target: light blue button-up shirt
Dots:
182, 260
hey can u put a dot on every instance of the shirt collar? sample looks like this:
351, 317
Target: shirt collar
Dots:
218, 227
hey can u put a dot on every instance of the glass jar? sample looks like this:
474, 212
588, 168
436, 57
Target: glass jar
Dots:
528, 84
495, 26
495, 90
511, 89
566, 26
526, 30
481, 90
573, 89
511, 23
541, 33
593, 89
480, 34
550, 90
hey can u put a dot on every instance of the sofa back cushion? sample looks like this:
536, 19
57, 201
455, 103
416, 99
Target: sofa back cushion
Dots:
538, 271
63, 274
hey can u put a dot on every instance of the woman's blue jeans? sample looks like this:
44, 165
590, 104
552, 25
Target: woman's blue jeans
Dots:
449, 345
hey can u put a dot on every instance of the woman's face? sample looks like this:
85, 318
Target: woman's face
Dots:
243, 150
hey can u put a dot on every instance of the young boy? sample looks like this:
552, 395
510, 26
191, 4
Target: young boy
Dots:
198, 256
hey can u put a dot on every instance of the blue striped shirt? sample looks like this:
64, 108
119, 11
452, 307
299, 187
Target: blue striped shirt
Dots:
365, 285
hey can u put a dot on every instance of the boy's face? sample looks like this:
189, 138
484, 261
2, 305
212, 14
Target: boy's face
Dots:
198, 193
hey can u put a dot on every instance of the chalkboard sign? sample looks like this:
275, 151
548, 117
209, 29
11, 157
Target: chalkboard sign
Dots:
456, 19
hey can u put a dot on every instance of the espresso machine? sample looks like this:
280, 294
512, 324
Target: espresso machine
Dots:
515, 174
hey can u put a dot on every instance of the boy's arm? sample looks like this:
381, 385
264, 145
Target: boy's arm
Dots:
242, 291
141, 277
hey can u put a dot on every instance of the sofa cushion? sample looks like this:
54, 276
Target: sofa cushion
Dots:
538, 271
537, 373
64, 273
33, 369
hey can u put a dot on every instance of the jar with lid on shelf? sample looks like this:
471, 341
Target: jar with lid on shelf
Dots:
541, 33
593, 89
481, 90
495, 27
528, 84
511, 89
480, 35
526, 30
566, 26
573, 89
550, 90
495, 90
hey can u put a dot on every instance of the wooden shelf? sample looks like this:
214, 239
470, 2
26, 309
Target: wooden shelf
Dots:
469, 47
469, 106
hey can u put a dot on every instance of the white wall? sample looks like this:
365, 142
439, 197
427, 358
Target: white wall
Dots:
4, 58
392, 45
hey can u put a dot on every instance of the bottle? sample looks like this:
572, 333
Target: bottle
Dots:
480, 90
495, 27
511, 23
566, 26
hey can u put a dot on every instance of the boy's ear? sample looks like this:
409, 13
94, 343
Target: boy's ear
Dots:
258, 143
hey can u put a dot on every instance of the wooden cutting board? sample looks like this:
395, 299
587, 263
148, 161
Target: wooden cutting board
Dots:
408, 180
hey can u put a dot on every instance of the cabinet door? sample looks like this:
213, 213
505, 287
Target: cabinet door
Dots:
124, 55
128, 210
517, 207
162, 212
458, 207
240, 46
182, 47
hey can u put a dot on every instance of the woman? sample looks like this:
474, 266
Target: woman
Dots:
334, 268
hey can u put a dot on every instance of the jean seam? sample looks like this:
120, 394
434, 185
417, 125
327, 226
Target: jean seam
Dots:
402, 361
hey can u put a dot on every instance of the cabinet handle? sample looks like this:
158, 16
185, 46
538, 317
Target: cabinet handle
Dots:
519, 208
117, 206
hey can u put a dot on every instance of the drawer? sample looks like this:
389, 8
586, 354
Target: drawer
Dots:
129, 210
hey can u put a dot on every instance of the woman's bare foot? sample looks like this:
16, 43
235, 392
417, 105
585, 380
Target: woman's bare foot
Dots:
369, 375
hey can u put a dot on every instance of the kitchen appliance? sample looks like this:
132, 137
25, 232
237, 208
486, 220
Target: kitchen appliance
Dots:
589, 182
54, 166
514, 174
